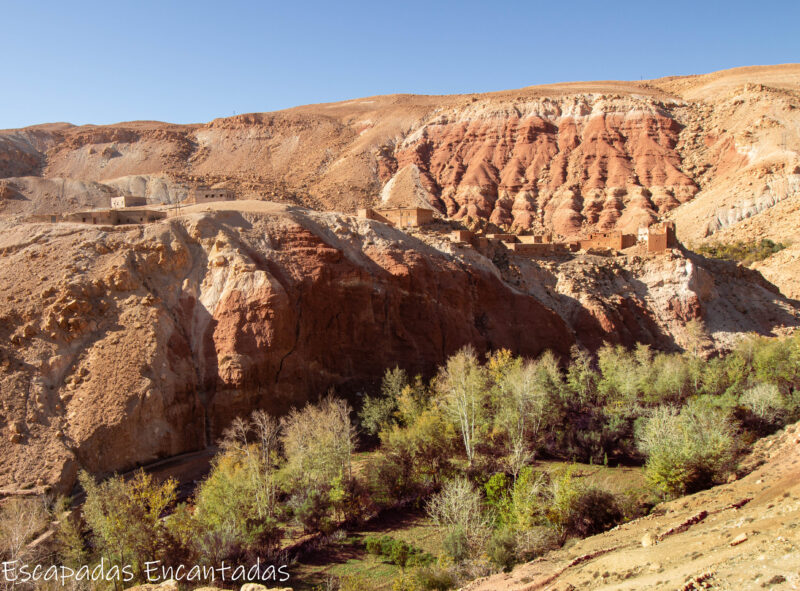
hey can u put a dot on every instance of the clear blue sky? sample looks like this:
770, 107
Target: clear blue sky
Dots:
118, 60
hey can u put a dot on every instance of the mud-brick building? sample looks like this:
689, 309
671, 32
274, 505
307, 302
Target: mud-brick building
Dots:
502, 237
115, 217
535, 248
536, 239
122, 201
614, 240
400, 217
206, 195
661, 236
461, 236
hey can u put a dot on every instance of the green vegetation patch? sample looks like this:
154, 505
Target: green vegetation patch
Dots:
494, 461
746, 253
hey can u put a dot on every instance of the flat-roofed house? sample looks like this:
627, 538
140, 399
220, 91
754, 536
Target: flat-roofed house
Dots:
122, 201
401, 217
661, 236
114, 217
206, 195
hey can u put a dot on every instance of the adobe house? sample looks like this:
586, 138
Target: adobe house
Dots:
502, 237
122, 201
45, 217
115, 217
537, 245
536, 239
461, 236
661, 236
481, 244
401, 217
535, 248
106, 217
370, 214
615, 240
139, 216
206, 195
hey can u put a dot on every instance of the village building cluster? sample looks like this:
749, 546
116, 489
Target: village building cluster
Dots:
128, 209
132, 209
658, 237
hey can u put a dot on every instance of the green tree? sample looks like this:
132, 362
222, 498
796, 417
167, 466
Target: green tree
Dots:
255, 444
523, 411
379, 412
318, 442
463, 385
419, 452
230, 515
687, 450
125, 517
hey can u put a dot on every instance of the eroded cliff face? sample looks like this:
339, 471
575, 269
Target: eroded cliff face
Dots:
559, 165
124, 345
119, 345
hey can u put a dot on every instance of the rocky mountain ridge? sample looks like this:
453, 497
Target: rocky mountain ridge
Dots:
566, 158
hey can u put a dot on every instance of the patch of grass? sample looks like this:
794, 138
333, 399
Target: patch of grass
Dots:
746, 253
349, 557
615, 480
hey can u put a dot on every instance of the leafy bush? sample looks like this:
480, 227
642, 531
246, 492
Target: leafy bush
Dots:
525, 506
502, 549
312, 510
456, 545
764, 401
420, 450
562, 495
430, 579
125, 517
688, 450
397, 551
593, 511
497, 494
373, 545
